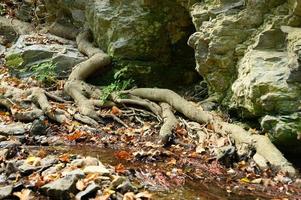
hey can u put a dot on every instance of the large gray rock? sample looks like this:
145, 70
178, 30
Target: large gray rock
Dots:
262, 88
34, 50
222, 28
146, 38
62, 188
249, 54
285, 131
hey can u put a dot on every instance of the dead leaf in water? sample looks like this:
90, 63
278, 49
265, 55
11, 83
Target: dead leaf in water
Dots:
123, 155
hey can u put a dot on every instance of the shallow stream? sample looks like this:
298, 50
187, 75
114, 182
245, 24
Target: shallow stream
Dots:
191, 190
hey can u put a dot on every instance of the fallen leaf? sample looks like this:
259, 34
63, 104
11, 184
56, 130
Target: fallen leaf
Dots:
245, 180
144, 195
129, 196
75, 135
81, 185
64, 158
123, 155
25, 194
116, 111
119, 168
103, 197
42, 153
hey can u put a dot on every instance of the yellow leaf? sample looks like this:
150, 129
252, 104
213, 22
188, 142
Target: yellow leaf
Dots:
245, 180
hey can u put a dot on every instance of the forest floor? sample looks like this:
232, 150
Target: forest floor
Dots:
45, 151
122, 156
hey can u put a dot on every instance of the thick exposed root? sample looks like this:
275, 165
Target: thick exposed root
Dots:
262, 144
170, 123
18, 26
13, 98
183, 106
38, 96
134, 100
63, 31
75, 86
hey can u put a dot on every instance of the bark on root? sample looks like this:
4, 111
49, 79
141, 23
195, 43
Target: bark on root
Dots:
262, 144
75, 85
18, 26
170, 123
14, 97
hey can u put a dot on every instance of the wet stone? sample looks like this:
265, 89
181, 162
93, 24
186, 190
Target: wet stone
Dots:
38, 127
89, 192
61, 189
26, 169
126, 186
9, 144
3, 138
12, 129
78, 173
6, 191
101, 170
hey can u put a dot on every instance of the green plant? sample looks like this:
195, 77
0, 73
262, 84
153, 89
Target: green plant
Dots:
2, 9
45, 72
116, 86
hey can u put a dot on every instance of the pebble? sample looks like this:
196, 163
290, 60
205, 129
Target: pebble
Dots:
89, 192
6, 191
101, 170
260, 161
77, 172
60, 189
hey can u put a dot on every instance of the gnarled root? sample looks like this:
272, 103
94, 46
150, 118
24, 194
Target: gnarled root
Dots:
75, 86
170, 123
13, 98
18, 26
262, 144
37, 95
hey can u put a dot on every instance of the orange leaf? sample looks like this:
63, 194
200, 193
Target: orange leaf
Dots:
75, 135
42, 153
123, 155
119, 168
116, 111
64, 158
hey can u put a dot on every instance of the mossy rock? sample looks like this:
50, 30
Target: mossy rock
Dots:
284, 131
146, 38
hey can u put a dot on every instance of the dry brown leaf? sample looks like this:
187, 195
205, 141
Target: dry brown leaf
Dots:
119, 168
25, 194
81, 185
123, 155
144, 195
129, 196
116, 111
64, 158
75, 135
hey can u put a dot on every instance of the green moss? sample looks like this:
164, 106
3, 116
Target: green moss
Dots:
14, 60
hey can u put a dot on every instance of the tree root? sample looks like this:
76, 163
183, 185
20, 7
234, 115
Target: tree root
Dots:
170, 123
30, 112
183, 106
38, 96
262, 144
75, 86
69, 33
18, 26
83, 94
